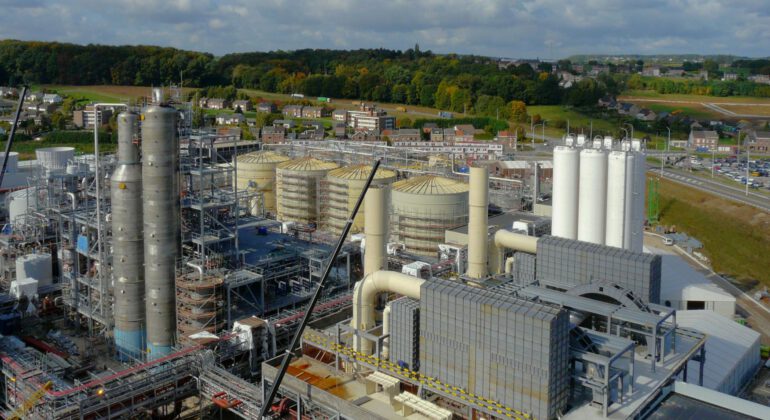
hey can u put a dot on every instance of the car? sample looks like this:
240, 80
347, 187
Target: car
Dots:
668, 241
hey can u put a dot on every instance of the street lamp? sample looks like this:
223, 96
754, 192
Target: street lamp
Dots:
626, 131
632, 129
533, 133
668, 144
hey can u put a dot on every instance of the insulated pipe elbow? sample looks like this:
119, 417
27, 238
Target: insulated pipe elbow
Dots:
365, 295
516, 241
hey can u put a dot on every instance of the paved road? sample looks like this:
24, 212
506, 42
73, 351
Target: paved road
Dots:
725, 191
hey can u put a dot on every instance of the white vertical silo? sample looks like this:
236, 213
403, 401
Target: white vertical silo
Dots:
592, 197
566, 171
638, 217
621, 201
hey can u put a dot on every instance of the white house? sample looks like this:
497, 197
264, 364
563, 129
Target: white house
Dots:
52, 98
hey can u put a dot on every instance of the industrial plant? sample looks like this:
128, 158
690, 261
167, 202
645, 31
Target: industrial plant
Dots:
172, 279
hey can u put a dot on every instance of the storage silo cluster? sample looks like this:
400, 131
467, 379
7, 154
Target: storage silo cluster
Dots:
298, 184
256, 172
598, 192
424, 207
341, 190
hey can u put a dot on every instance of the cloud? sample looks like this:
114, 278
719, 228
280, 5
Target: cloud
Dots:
509, 28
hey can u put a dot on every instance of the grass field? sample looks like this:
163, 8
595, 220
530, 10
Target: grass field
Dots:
694, 110
103, 93
552, 113
651, 94
763, 110
736, 237
26, 149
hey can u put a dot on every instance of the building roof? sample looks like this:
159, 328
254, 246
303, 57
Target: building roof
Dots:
514, 164
360, 172
307, 163
430, 184
679, 281
761, 135
732, 350
262, 157
702, 134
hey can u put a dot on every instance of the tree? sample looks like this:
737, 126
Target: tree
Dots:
404, 122
238, 110
518, 111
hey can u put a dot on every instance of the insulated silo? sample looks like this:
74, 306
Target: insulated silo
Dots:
621, 202
341, 189
298, 184
424, 207
256, 172
20, 203
160, 191
566, 172
35, 266
592, 196
13, 162
127, 242
637, 225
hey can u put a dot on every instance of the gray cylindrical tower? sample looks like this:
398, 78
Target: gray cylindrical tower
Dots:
128, 253
160, 176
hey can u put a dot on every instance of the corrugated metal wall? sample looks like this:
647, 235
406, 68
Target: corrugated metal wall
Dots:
504, 348
405, 332
565, 263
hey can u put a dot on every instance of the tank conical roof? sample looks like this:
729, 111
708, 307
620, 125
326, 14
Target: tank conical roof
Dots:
262, 157
430, 184
307, 164
360, 172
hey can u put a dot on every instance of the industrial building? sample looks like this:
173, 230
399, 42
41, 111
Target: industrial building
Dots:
175, 273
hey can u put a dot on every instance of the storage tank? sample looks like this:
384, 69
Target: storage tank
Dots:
127, 244
160, 198
256, 172
13, 162
592, 196
54, 158
424, 207
621, 202
20, 203
566, 173
341, 189
639, 216
35, 266
298, 184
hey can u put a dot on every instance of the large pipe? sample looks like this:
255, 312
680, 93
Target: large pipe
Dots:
505, 239
376, 229
478, 202
160, 172
364, 300
386, 330
127, 245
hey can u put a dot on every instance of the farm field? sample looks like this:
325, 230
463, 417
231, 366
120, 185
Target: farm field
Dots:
675, 97
103, 93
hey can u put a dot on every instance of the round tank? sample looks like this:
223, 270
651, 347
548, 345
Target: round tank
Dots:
340, 193
424, 207
13, 162
54, 158
566, 172
256, 172
161, 212
298, 184
638, 219
621, 179
20, 202
592, 196
35, 266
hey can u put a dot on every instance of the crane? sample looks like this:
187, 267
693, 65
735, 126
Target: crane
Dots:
30, 402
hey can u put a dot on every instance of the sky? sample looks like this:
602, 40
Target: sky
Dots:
498, 28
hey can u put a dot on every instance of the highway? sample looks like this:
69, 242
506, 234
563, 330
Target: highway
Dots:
736, 194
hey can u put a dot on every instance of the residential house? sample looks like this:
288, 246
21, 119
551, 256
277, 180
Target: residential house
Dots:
759, 141
267, 107
445, 135
608, 101
340, 115
84, 118
506, 137
8, 91
760, 78
340, 130
365, 135
730, 76
675, 72
52, 98
703, 75
427, 128
368, 117
653, 71
39, 107
645, 115
404, 134
217, 103
203, 102
314, 112
287, 124
464, 133
230, 119
520, 169
703, 139
273, 134
292, 111
244, 104
34, 97
627, 108
314, 133
567, 79
251, 122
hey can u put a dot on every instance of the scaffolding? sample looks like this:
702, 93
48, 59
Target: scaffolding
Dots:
298, 196
422, 232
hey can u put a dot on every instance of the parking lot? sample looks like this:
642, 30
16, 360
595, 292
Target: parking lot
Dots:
733, 169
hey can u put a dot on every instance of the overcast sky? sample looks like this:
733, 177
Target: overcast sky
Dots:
507, 28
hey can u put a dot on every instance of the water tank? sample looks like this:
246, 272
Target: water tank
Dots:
566, 172
35, 266
21, 202
256, 172
424, 207
640, 183
621, 202
340, 193
298, 184
592, 196
13, 162
54, 158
